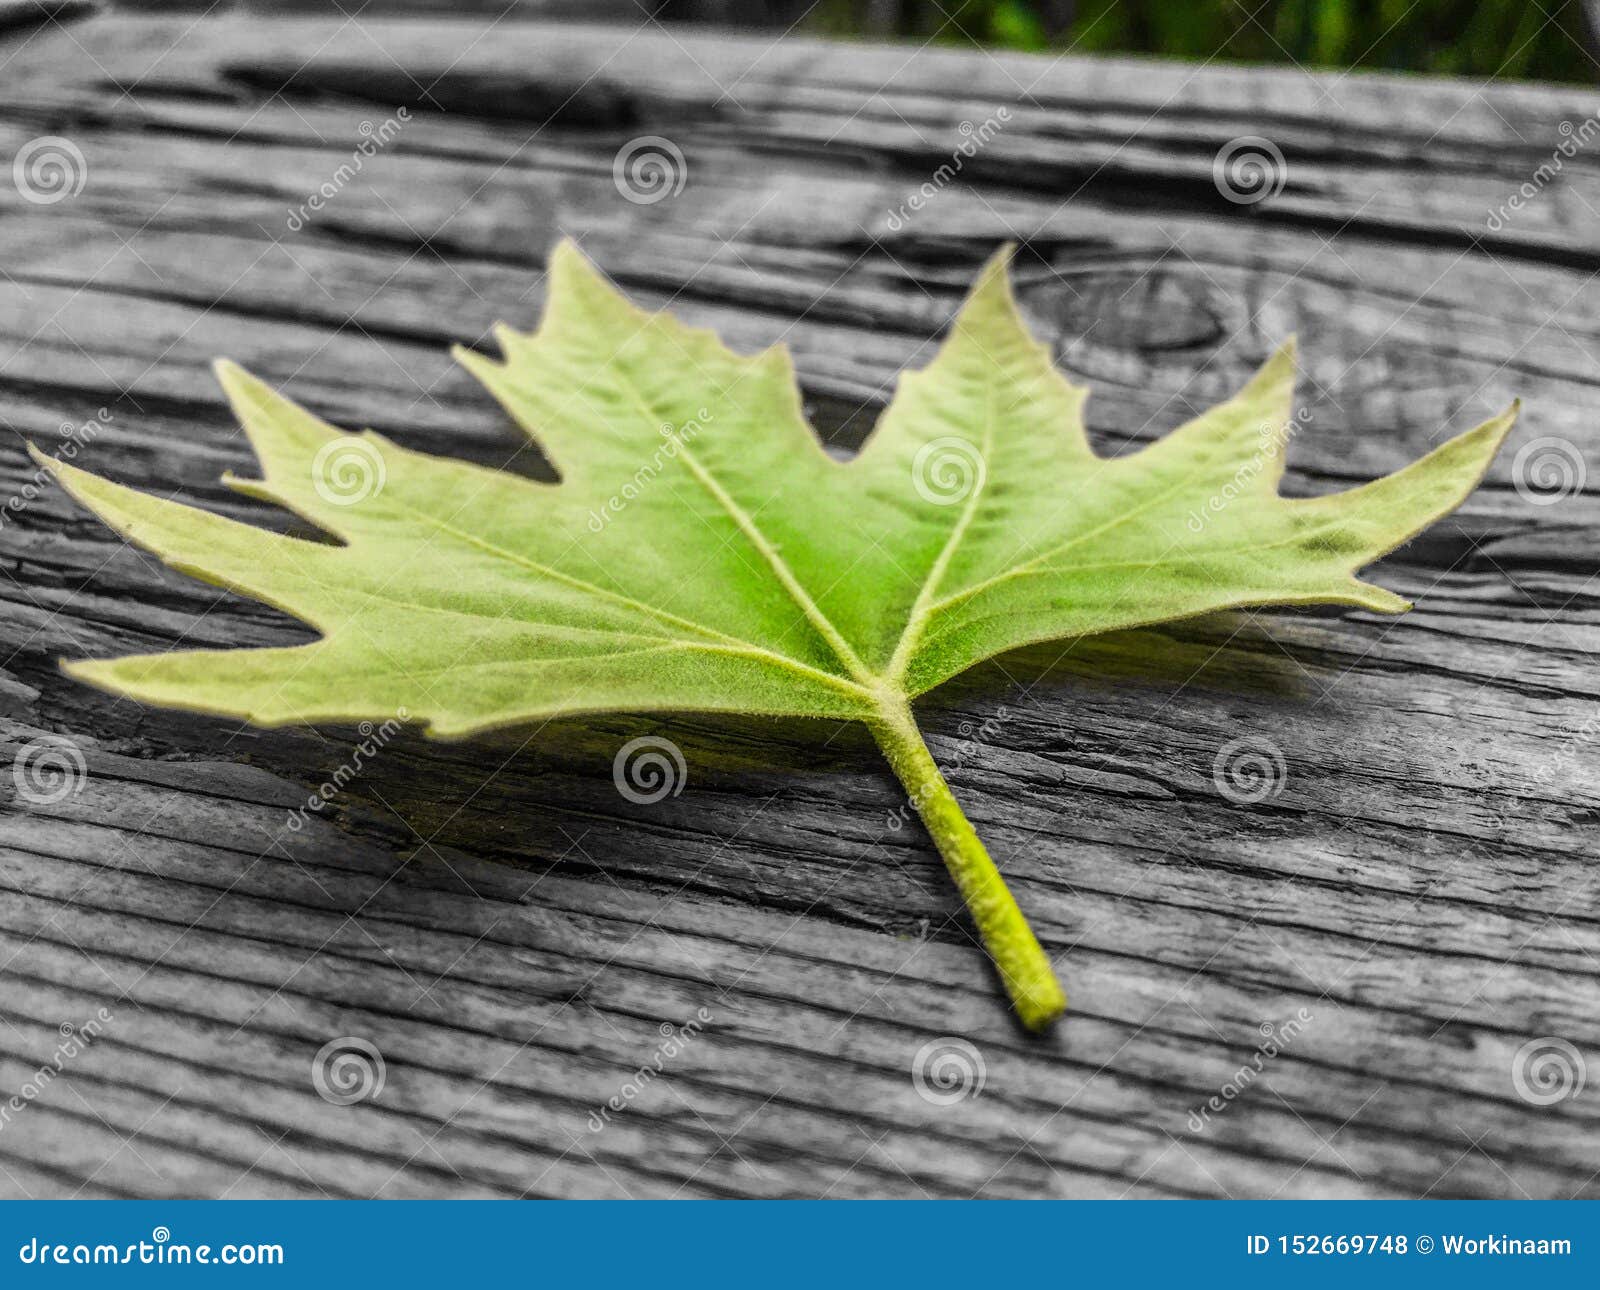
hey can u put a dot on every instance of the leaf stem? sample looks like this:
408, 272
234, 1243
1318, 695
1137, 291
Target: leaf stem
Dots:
1024, 968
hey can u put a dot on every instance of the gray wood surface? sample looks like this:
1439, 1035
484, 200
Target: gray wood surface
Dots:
510, 933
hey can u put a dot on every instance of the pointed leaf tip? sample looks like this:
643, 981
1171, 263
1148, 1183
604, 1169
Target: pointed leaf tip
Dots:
568, 265
997, 268
235, 380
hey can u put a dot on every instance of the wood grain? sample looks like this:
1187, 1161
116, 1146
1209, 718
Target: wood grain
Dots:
509, 932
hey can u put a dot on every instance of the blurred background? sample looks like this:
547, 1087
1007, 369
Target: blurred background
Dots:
1552, 40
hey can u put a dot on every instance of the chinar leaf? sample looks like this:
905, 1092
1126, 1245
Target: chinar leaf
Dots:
702, 552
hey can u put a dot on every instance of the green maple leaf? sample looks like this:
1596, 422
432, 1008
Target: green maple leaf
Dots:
702, 552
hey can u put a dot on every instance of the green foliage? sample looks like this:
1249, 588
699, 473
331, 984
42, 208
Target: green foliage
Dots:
1484, 38
702, 552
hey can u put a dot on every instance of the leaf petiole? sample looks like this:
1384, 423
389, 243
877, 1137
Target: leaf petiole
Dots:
1023, 965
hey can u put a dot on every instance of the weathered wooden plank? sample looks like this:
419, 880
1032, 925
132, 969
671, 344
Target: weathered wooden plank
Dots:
511, 934
773, 1004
